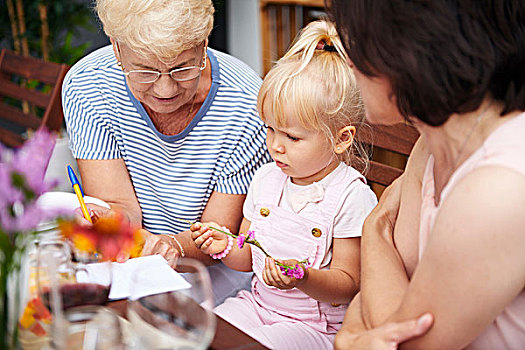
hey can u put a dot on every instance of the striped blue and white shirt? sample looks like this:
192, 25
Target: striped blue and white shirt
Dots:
173, 176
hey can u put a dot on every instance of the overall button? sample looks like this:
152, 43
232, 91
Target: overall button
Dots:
265, 212
316, 232
335, 304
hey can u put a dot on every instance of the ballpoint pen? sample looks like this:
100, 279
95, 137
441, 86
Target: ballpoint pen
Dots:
80, 194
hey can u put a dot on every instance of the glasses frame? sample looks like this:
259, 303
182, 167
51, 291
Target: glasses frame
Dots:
158, 74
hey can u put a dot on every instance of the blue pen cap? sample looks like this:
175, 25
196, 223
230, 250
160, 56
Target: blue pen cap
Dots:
73, 179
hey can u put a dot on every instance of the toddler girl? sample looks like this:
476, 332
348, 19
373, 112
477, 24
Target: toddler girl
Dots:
307, 204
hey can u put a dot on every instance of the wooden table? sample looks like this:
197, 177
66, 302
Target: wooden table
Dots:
226, 336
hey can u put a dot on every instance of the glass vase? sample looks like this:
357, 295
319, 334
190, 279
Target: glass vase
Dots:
13, 286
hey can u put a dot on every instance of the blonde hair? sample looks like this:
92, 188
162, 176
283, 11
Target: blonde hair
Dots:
319, 85
159, 28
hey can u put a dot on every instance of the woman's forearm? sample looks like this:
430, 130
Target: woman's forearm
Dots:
383, 277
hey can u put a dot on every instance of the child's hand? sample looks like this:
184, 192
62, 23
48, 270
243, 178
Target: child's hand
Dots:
207, 240
273, 276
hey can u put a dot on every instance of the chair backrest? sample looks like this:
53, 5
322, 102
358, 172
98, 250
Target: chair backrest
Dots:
30, 96
391, 145
281, 20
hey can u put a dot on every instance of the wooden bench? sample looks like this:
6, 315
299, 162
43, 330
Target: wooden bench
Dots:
391, 145
30, 96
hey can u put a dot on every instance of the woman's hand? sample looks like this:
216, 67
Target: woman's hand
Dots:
95, 212
388, 206
207, 240
385, 337
273, 276
164, 245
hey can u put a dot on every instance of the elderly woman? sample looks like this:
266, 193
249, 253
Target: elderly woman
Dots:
447, 237
162, 126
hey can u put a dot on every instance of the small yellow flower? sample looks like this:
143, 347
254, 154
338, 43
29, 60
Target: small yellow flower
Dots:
83, 243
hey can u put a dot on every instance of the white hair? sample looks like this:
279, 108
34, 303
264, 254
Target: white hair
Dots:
162, 28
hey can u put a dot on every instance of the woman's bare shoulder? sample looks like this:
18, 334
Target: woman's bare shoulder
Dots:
417, 160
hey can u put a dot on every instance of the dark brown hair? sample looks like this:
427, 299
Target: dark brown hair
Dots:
440, 56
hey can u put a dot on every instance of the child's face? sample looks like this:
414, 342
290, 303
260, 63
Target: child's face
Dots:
303, 154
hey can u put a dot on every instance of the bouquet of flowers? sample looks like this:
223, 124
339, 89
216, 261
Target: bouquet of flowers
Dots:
21, 183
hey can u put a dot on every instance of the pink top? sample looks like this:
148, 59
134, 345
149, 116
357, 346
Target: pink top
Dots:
504, 147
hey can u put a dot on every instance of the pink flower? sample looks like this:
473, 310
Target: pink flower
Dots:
296, 272
240, 240
250, 235
307, 264
22, 182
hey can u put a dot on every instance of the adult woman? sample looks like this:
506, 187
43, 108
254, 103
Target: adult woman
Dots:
162, 126
447, 237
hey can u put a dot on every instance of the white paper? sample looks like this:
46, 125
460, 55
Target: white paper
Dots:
136, 277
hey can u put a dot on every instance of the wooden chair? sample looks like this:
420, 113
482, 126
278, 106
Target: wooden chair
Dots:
18, 78
281, 20
391, 145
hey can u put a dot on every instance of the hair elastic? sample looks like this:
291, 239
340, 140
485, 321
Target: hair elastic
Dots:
322, 45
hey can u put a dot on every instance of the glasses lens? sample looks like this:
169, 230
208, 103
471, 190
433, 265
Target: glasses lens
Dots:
143, 76
187, 73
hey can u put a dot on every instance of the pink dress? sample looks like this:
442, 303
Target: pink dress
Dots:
505, 147
289, 319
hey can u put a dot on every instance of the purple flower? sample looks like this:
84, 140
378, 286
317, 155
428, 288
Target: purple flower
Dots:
293, 271
240, 240
307, 264
32, 159
22, 182
250, 235
298, 272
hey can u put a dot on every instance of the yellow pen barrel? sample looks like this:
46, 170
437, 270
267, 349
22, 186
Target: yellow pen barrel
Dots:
82, 203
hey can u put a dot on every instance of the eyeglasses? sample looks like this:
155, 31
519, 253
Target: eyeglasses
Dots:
177, 74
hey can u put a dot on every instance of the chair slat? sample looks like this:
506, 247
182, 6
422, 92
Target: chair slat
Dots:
10, 138
311, 3
30, 67
16, 116
382, 174
10, 89
397, 138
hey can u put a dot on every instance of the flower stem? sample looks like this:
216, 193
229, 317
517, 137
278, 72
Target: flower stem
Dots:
249, 241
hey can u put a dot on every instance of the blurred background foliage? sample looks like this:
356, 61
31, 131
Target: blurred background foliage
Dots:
56, 29
46, 28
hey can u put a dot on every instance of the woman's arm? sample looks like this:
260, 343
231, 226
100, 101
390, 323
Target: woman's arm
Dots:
109, 180
389, 243
473, 265
354, 335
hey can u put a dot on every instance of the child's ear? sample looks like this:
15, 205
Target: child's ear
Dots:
345, 137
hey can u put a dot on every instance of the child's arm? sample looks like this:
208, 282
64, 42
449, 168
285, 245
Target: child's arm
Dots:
339, 284
210, 241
